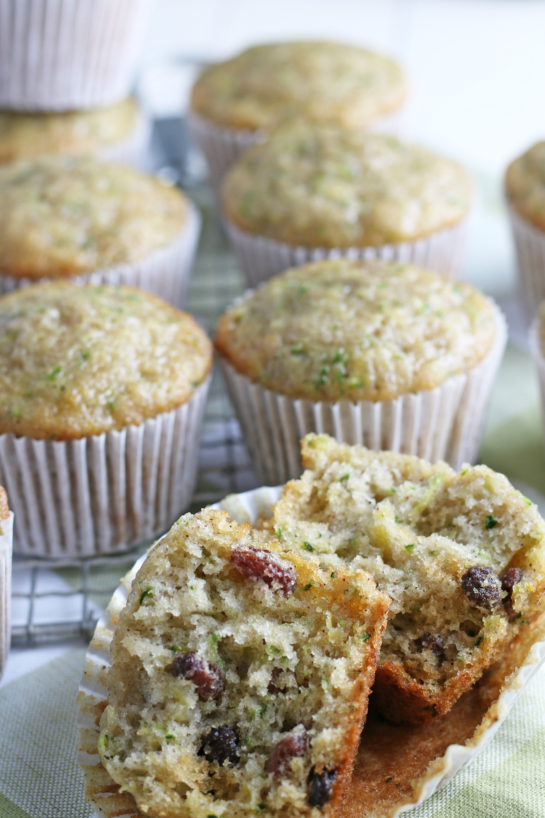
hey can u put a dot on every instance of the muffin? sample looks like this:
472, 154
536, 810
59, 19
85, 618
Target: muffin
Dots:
234, 103
239, 679
59, 56
525, 192
102, 395
97, 222
6, 525
460, 555
310, 193
118, 133
389, 355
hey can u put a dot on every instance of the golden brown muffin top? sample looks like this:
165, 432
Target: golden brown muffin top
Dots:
4, 508
331, 187
356, 331
67, 215
525, 184
25, 135
321, 81
84, 360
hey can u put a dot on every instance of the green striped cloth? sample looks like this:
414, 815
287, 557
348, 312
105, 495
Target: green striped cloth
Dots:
39, 775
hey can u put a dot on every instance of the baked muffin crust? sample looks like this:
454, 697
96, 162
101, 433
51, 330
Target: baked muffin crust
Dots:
321, 81
525, 184
83, 360
331, 187
25, 135
356, 330
66, 215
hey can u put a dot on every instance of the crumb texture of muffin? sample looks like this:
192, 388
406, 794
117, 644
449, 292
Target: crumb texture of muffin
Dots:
25, 135
320, 81
84, 360
331, 187
460, 555
525, 185
65, 215
355, 330
239, 679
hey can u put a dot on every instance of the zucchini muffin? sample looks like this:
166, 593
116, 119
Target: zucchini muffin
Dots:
6, 525
239, 679
460, 555
118, 133
312, 192
59, 56
77, 217
235, 102
525, 192
103, 390
389, 355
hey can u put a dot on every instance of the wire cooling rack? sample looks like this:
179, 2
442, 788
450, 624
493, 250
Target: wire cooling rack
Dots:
55, 599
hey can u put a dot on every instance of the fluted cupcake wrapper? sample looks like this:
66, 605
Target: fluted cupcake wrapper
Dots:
530, 253
132, 150
444, 423
261, 258
166, 272
539, 359
104, 493
223, 146
59, 55
6, 537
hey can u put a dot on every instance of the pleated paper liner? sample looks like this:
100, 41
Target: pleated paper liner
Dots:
222, 146
165, 272
105, 493
444, 423
59, 55
6, 536
530, 254
397, 766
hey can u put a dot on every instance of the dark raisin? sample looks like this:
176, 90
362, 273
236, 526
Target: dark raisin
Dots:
221, 745
482, 586
320, 786
275, 685
509, 579
205, 676
293, 745
433, 642
258, 564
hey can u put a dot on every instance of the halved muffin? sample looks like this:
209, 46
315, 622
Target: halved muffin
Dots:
239, 678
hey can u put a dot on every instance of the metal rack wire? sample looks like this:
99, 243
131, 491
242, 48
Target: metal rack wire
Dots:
75, 590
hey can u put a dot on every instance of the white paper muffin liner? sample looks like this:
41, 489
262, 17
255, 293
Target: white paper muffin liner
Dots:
166, 272
59, 55
444, 423
132, 150
108, 802
6, 535
222, 146
103, 493
529, 244
260, 257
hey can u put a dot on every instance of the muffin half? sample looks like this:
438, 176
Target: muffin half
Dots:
102, 396
236, 102
389, 355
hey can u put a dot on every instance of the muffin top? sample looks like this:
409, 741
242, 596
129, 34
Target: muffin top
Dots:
4, 508
331, 187
525, 184
356, 330
83, 360
67, 215
320, 81
25, 135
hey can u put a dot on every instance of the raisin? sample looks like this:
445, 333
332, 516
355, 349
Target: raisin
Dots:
433, 642
320, 786
221, 745
293, 745
258, 564
205, 676
509, 579
482, 586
